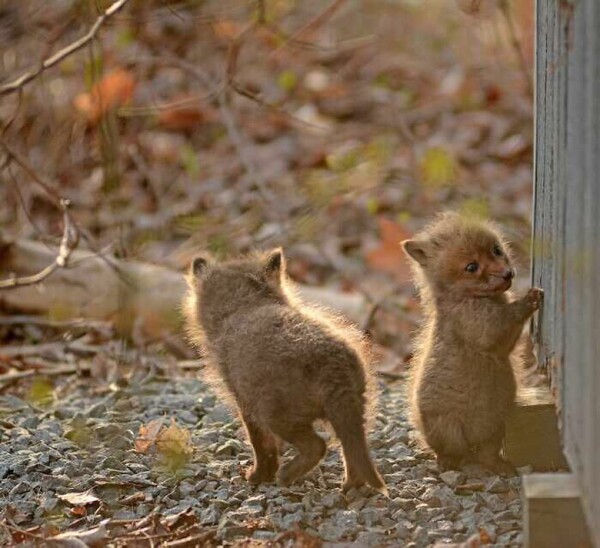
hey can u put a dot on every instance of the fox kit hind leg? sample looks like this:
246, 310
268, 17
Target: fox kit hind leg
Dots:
446, 437
266, 453
488, 454
310, 446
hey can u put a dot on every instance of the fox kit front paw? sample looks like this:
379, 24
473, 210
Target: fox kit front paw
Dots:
534, 297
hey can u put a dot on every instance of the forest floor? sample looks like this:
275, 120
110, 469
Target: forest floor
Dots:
333, 132
157, 457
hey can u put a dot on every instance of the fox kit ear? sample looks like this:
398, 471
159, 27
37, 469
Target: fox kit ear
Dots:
416, 249
198, 268
275, 263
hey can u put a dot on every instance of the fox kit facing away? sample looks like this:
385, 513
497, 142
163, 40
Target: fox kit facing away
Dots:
463, 385
284, 364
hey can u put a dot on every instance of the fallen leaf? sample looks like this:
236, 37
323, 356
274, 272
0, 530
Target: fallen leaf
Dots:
438, 167
226, 29
79, 499
91, 537
79, 511
388, 256
186, 517
175, 440
484, 537
134, 498
187, 113
114, 90
147, 435
469, 487
299, 538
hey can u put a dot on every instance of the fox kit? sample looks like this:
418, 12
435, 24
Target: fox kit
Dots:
463, 385
284, 364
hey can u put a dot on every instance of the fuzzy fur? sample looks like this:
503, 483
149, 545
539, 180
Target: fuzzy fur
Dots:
283, 364
463, 385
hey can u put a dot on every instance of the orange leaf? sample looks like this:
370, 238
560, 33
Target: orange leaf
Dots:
226, 29
389, 257
189, 114
147, 435
79, 511
114, 90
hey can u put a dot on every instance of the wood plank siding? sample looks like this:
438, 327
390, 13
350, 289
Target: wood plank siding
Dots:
566, 231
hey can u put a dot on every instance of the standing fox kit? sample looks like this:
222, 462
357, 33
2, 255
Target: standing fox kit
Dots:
284, 364
463, 385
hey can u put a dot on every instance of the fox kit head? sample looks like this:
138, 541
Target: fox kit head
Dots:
219, 289
461, 256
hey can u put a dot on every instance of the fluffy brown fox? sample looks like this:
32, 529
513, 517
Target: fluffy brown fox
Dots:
463, 385
284, 364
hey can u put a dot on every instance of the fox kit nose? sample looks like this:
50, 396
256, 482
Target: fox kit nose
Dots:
508, 274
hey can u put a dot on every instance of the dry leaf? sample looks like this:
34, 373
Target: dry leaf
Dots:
91, 537
79, 511
114, 90
226, 29
484, 537
187, 113
147, 435
389, 257
175, 440
79, 499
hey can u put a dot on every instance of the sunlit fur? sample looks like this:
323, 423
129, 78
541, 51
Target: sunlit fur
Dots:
463, 386
283, 365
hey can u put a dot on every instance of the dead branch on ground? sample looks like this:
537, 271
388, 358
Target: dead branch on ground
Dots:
69, 241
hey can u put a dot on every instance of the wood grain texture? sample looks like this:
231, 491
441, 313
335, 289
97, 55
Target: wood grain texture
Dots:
552, 513
566, 250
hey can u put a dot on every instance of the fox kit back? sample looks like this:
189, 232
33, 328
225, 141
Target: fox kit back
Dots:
283, 364
463, 385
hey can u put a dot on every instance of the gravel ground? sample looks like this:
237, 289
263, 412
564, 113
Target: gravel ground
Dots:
85, 442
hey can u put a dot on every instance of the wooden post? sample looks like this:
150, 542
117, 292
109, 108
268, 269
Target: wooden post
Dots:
552, 512
532, 435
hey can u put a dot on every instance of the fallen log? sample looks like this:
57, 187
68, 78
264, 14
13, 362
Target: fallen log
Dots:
137, 297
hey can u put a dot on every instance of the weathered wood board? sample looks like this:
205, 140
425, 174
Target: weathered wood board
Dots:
566, 258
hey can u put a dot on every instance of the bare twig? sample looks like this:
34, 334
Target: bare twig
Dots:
365, 326
83, 324
50, 372
262, 12
68, 243
316, 22
14, 114
65, 52
12, 154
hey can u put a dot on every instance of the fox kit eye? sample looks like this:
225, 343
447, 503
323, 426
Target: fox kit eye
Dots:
497, 250
472, 267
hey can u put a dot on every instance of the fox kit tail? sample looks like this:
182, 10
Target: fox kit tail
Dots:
348, 422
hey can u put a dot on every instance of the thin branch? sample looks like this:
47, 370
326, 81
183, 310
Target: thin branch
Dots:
68, 243
50, 372
65, 52
262, 12
316, 22
12, 154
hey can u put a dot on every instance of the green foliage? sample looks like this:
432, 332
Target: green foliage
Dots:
287, 80
438, 167
189, 161
475, 207
41, 392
